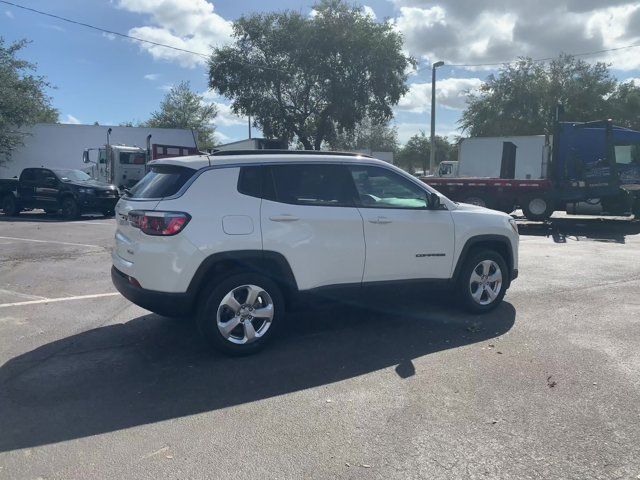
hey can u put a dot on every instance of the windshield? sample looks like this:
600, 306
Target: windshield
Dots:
72, 175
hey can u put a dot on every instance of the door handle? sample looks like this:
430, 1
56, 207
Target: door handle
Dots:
380, 220
285, 217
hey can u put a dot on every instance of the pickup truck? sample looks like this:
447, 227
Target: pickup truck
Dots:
72, 192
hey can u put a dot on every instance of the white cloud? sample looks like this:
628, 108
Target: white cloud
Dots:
450, 93
369, 12
152, 76
186, 24
225, 117
166, 87
634, 80
109, 36
468, 31
71, 120
9, 14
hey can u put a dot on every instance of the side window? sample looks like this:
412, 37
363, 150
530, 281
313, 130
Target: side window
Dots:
313, 184
29, 175
250, 181
45, 175
381, 188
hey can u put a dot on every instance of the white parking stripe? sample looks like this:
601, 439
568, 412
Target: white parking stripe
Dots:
23, 295
63, 299
52, 241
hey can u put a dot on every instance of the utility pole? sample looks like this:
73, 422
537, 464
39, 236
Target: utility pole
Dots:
249, 127
432, 152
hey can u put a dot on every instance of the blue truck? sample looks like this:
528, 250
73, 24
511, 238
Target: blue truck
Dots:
593, 169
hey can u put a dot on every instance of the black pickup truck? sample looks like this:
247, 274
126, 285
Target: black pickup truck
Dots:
71, 191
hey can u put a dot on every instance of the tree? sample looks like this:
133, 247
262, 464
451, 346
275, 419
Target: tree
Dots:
312, 78
23, 100
417, 150
625, 105
183, 108
367, 135
522, 98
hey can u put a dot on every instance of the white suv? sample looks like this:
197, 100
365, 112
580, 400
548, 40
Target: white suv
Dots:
236, 237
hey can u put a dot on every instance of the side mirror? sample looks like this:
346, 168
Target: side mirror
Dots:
85, 156
433, 201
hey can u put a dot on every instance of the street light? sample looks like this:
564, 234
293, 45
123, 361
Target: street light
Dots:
432, 153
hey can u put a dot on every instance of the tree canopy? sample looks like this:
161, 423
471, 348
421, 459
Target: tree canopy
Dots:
367, 135
23, 100
311, 77
415, 153
521, 99
183, 108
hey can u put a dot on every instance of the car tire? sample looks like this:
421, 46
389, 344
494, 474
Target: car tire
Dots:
537, 208
227, 316
70, 209
10, 206
477, 291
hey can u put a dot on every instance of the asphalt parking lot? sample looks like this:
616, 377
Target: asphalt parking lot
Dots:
547, 386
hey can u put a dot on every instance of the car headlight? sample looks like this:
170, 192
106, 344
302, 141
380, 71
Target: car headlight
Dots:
514, 225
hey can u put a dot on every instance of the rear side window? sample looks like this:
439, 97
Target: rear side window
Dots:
313, 184
162, 181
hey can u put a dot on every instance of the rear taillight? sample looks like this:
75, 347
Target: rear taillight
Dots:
162, 224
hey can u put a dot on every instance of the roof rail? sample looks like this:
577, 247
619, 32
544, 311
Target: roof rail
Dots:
286, 152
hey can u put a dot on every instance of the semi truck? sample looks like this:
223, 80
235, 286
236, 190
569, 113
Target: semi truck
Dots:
125, 165
588, 168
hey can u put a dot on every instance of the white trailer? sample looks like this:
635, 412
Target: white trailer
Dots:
482, 157
62, 146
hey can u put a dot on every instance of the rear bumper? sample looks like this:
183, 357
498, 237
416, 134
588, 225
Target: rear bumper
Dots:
162, 303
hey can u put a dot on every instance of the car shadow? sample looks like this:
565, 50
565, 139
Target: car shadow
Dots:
42, 217
153, 368
580, 229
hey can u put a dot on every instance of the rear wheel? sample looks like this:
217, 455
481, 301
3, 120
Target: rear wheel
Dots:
537, 208
10, 206
239, 315
483, 281
70, 209
476, 199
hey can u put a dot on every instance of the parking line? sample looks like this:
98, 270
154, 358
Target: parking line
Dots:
52, 241
63, 299
23, 295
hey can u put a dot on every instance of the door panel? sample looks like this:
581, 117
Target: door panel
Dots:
309, 217
407, 244
404, 239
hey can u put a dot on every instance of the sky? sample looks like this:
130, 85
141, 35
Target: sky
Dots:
108, 79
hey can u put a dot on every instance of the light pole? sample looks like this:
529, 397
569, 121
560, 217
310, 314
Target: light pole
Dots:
432, 153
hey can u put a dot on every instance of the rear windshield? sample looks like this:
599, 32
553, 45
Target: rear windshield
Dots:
162, 181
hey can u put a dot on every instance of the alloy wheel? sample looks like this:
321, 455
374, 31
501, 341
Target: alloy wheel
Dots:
485, 282
245, 314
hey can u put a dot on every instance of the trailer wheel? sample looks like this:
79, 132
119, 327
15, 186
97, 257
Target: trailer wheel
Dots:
476, 199
10, 206
537, 208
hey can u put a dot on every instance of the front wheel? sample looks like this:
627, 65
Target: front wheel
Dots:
70, 209
10, 206
239, 315
483, 281
537, 208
